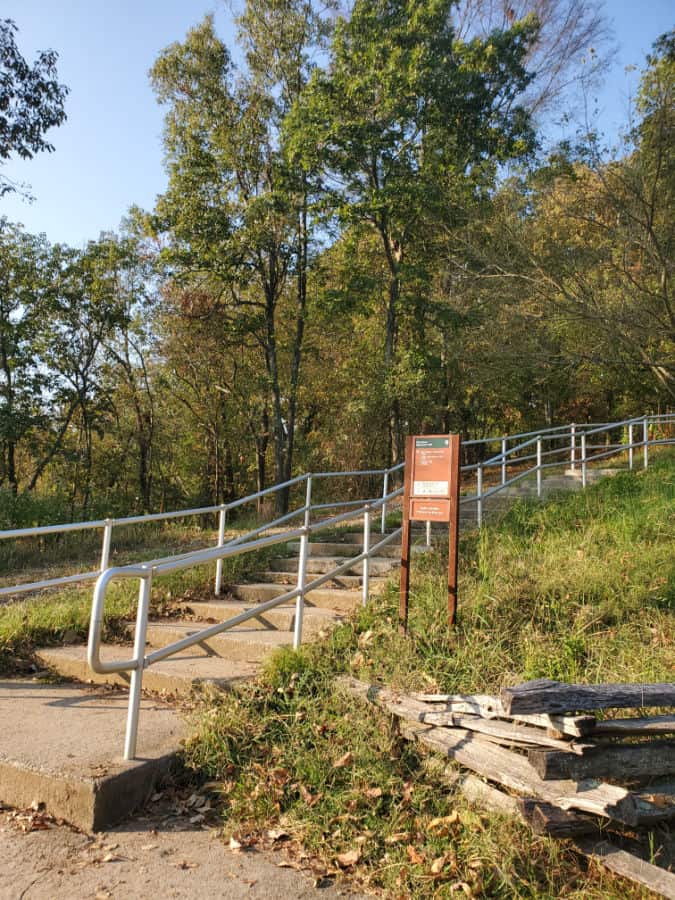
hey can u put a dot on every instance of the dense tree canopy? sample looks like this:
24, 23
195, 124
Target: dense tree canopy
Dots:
361, 237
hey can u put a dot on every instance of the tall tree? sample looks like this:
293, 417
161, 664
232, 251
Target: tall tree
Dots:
235, 211
31, 101
407, 121
24, 288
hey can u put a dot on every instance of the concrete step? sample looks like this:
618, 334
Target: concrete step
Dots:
340, 600
281, 618
347, 548
62, 747
217, 610
289, 579
319, 565
243, 645
175, 675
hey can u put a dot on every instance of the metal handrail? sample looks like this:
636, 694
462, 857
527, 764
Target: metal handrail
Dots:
146, 571
508, 455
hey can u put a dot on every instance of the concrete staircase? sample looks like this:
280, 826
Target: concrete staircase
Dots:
66, 744
235, 655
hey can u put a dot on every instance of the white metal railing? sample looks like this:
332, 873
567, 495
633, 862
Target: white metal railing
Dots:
567, 443
565, 446
552, 447
145, 572
107, 526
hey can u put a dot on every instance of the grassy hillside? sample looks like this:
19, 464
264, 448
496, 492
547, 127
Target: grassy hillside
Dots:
580, 589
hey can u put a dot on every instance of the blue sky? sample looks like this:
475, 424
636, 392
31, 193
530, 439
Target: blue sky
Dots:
108, 154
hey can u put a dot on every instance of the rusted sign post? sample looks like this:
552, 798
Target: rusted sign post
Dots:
430, 494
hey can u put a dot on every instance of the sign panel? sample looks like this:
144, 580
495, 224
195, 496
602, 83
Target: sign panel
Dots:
430, 494
430, 510
431, 478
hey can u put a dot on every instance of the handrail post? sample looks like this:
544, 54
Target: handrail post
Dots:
503, 460
645, 441
366, 559
428, 534
137, 673
479, 495
385, 490
539, 466
630, 445
107, 538
302, 568
583, 459
222, 519
573, 446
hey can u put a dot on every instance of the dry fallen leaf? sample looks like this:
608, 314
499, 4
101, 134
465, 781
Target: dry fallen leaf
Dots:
309, 799
365, 638
397, 837
444, 821
373, 793
277, 834
461, 886
185, 865
415, 857
147, 847
438, 864
113, 857
235, 844
345, 760
350, 858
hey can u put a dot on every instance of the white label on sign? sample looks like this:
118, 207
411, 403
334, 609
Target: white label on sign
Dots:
430, 488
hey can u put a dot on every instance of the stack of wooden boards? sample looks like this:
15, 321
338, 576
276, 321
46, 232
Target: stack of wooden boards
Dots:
543, 741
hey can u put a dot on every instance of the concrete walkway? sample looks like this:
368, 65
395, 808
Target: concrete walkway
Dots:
158, 855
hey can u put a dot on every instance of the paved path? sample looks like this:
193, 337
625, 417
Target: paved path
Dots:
160, 854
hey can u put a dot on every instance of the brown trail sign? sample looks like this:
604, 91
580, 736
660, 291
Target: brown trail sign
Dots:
430, 494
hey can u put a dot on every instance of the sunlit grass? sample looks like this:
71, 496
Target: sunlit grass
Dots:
581, 589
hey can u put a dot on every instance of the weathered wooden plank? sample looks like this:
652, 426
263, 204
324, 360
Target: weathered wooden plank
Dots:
648, 726
511, 769
543, 818
544, 696
623, 762
490, 707
658, 880
488, 796
506, 732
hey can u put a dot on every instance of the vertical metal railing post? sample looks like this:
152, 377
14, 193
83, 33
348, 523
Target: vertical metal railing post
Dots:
539, 466
479, 495
645, 441
107, 538
573, 446
385, 490
503, 460
583, 459
427, 535
630, 445
222, 519
137, 673
302, 568
366, 560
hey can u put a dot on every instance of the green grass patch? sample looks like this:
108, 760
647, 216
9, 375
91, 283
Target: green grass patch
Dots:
581, 589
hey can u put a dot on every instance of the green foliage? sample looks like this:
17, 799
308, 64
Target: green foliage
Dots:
31, 101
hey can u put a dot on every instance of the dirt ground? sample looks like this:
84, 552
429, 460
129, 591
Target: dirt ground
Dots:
173, 850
